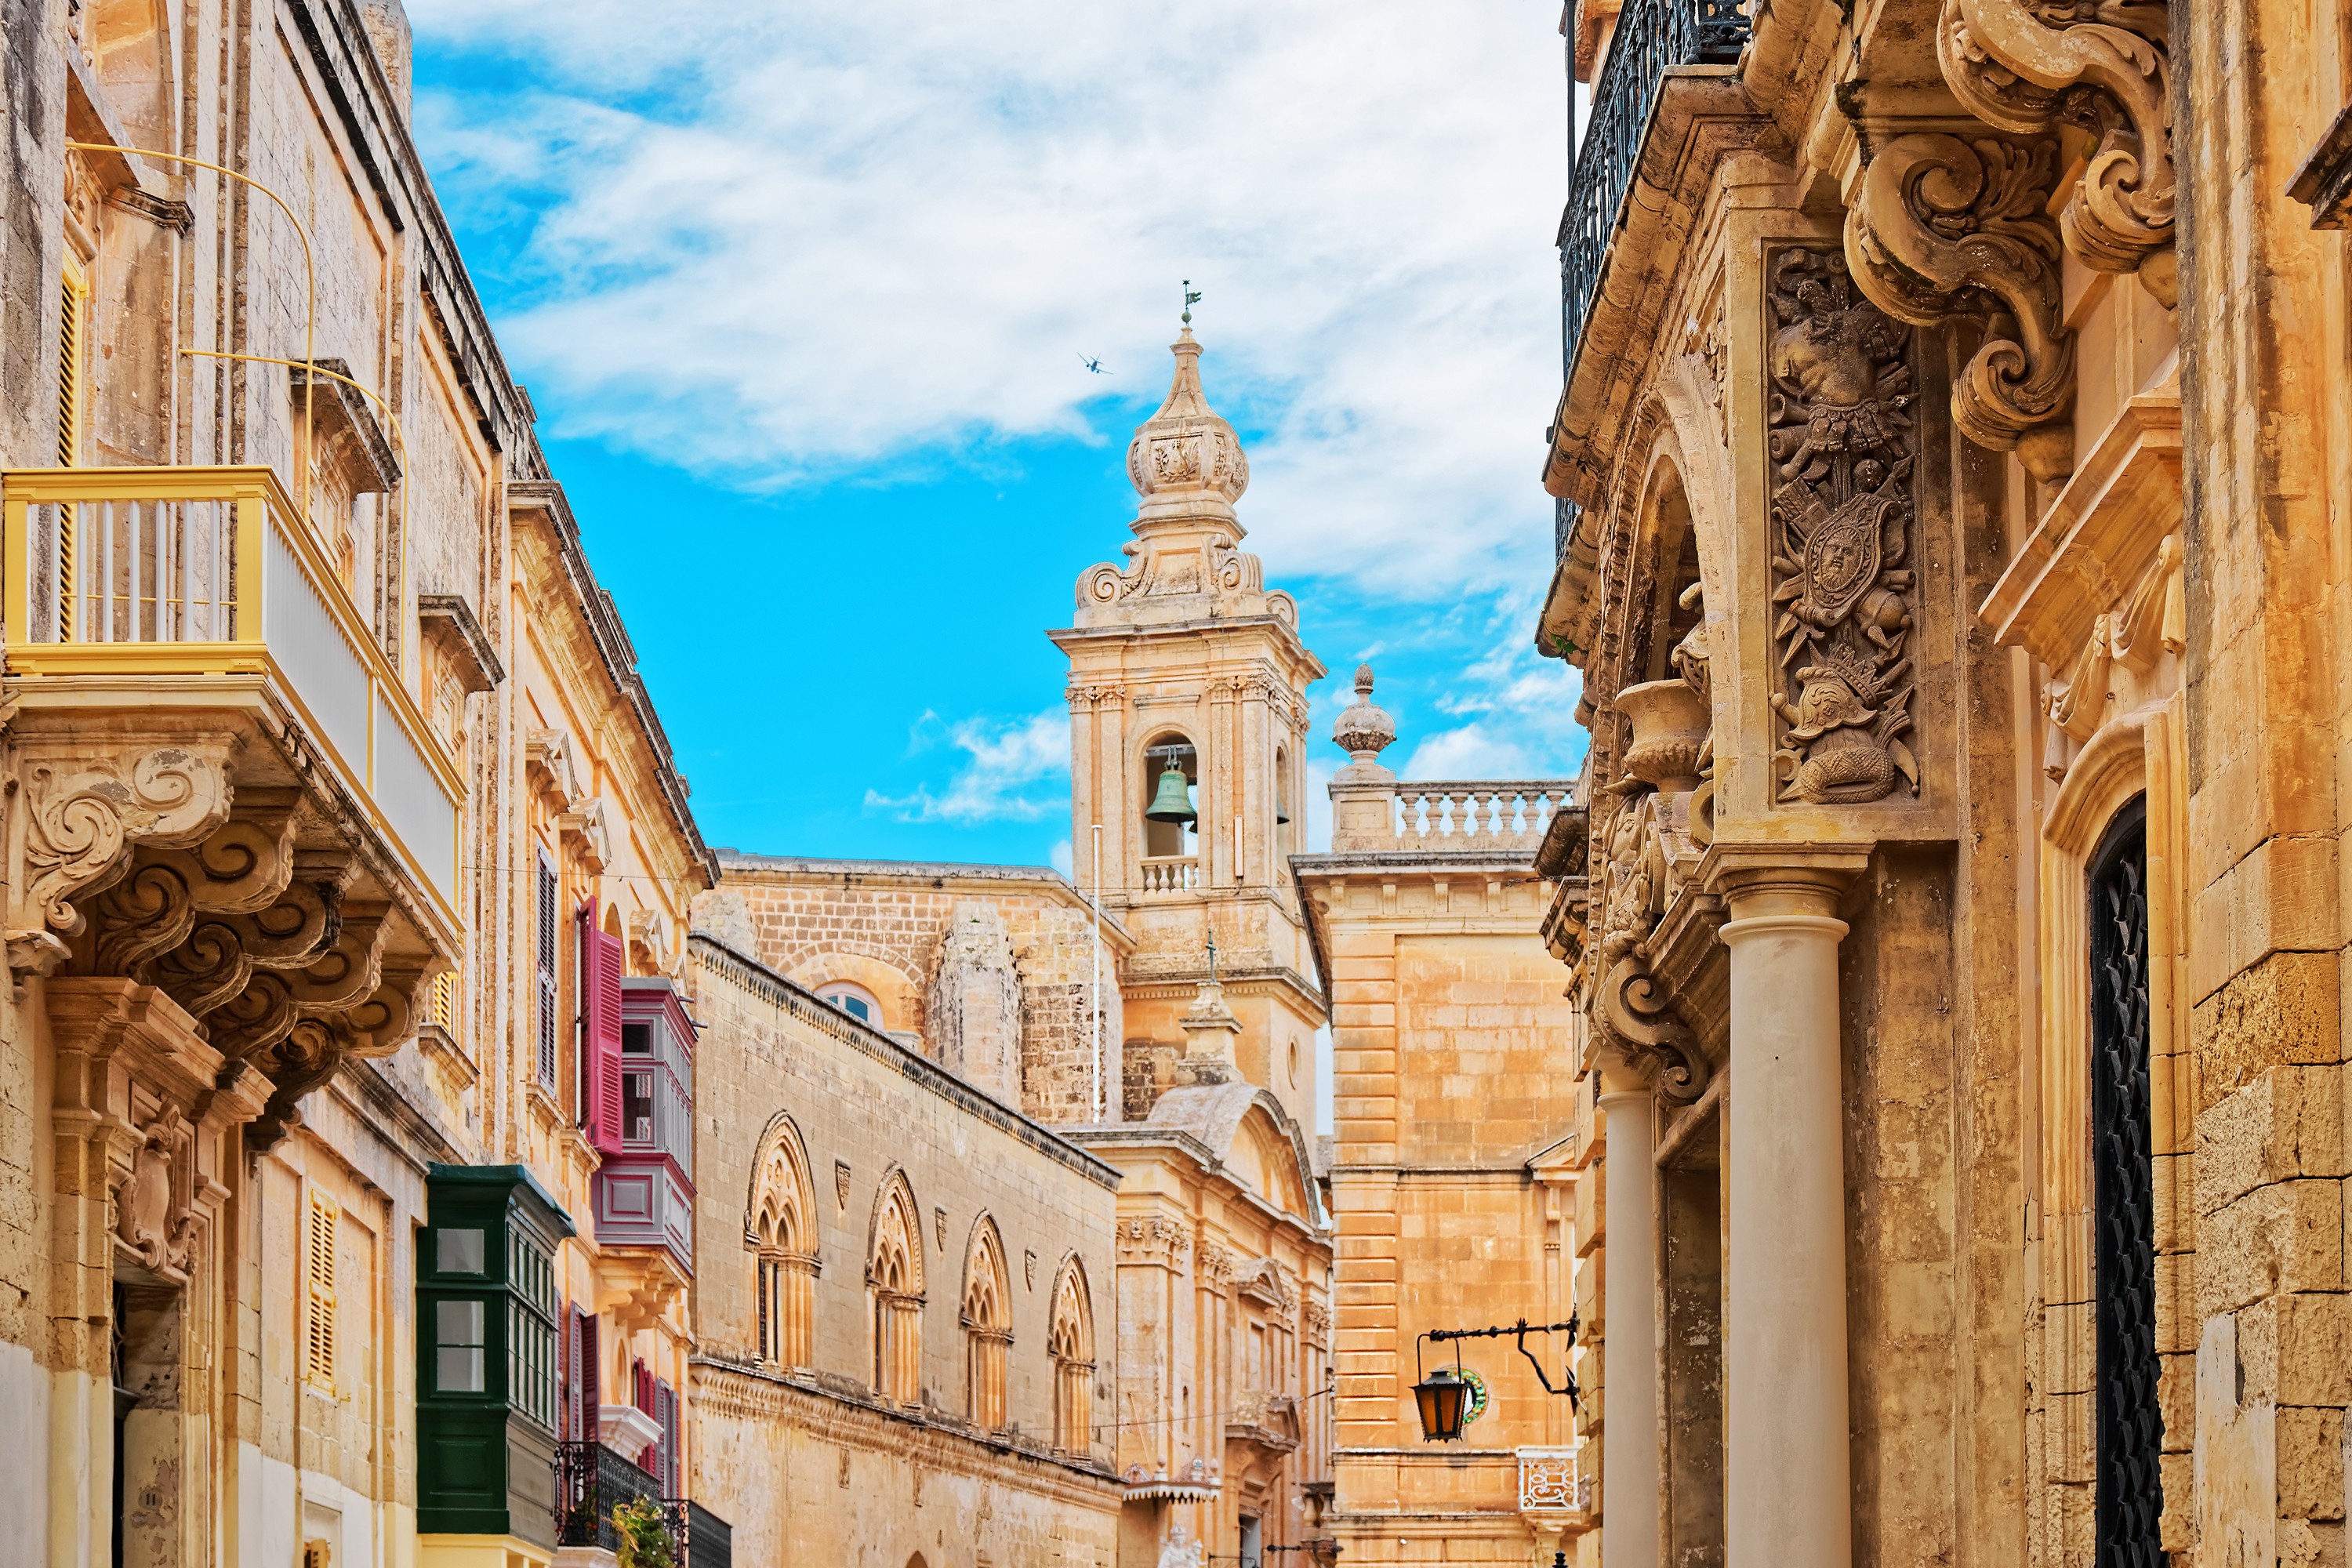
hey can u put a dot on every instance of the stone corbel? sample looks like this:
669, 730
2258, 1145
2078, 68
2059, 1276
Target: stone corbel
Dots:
588, 822
1943, 227
77, 821
1638, 1021
547, 763
2013, 67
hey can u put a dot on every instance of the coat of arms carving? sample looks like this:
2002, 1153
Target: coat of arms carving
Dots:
1842, 454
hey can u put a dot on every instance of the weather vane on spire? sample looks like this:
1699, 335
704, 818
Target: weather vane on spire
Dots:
1191, 297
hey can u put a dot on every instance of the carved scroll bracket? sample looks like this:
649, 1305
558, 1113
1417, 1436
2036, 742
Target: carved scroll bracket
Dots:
2029, 65
1945, 227
77, 819
1629, 1011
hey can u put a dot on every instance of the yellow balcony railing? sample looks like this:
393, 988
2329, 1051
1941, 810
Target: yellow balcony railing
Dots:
165, 572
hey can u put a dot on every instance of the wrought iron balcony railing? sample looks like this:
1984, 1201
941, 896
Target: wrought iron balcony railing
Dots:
592, 1480
207, 577
1651, 36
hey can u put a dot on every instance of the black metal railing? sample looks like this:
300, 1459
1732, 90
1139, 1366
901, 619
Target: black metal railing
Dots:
592, 1480
1651, 36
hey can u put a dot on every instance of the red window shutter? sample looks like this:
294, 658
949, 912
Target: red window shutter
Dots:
601, 961
592, 1393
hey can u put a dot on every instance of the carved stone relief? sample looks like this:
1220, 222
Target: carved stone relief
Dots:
1945, 227
1629, 1011
1841, 447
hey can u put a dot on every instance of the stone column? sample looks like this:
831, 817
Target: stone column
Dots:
1629, 1432
1788, 1491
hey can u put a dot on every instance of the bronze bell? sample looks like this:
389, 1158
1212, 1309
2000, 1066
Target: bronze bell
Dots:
1174, 801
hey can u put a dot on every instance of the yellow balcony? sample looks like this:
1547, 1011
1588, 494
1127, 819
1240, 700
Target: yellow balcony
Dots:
189, 587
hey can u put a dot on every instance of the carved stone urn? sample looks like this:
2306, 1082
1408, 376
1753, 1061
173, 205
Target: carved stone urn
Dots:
1670, 727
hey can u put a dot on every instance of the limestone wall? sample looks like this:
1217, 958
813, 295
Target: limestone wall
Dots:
881, 925
1452, 1098
868, 1110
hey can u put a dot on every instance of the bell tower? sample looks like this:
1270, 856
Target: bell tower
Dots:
1188, 727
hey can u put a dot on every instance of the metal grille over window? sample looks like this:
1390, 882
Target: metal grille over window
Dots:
319, 1281
2129, 1492
548, 920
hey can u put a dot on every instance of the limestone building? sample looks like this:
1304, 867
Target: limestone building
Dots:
1948, 540
345, 1099
1455, 1162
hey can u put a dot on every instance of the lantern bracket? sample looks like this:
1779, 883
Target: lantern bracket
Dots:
1518, 1332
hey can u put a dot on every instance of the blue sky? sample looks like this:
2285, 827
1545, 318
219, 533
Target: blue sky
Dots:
802, 296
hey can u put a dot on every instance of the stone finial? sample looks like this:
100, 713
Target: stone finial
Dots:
1365, 727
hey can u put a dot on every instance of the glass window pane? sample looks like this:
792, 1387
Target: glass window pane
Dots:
457, 1322
457, 1251
458, 1370
637, 1107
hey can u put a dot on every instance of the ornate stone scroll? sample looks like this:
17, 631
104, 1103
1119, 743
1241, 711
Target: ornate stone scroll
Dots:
1629, 1011
2029, 65
1841, 444
1943, 227
83, 814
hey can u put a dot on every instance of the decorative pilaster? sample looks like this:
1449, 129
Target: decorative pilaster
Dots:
1841, 447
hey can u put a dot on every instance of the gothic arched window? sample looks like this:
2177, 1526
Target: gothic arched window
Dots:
2129, 1492
781, 1232
987, 1327
894, 1273
1070, 1342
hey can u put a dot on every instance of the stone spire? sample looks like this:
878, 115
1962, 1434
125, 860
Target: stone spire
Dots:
1185, 460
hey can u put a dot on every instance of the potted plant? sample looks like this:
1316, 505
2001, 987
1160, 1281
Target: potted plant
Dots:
641, 1533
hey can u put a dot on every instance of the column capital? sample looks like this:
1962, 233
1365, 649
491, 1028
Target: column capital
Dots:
1765, 879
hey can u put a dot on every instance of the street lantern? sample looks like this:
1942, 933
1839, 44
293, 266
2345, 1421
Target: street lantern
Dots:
1444, 1397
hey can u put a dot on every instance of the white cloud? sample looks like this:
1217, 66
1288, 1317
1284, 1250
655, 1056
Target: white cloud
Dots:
1473, 751
1061, 859
1001, 760
783, 243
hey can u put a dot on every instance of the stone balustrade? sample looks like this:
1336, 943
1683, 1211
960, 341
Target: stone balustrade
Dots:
1372, 810
1170, 873
1479, 813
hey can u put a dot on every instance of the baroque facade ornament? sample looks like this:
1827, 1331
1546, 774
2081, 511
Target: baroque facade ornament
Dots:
1841, 447
1945, 227
82, 818
2029, 67
1629, 1011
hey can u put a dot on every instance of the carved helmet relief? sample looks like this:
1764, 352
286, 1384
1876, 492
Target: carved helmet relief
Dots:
1842, 446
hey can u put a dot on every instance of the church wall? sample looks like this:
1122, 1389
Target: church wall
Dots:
880, 925
867, 1111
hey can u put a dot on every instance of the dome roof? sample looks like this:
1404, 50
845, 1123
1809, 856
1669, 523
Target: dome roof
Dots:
1185, 458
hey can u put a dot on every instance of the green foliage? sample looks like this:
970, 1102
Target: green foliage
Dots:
643, 1532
